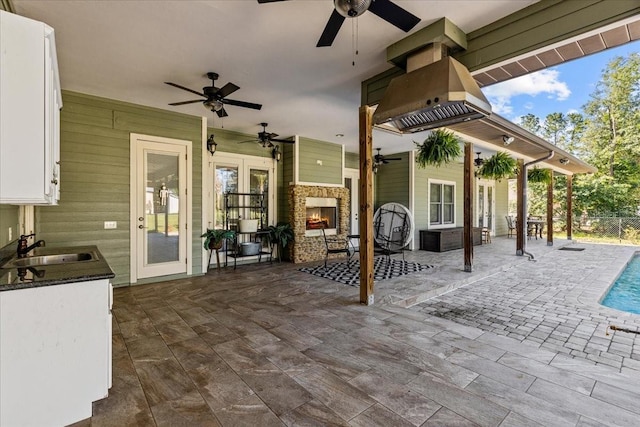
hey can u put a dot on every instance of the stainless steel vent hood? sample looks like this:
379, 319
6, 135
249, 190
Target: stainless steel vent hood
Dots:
438, 94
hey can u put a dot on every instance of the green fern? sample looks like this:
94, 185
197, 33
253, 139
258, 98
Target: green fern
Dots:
439, 148
498, 166
539, 175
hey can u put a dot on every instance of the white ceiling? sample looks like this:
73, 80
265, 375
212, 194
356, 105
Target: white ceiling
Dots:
125, 50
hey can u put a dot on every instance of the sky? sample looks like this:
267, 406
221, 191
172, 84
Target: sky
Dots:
564, 88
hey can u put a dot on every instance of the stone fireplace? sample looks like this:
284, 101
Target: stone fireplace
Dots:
312, 208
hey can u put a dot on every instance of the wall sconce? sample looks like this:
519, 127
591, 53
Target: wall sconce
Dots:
506, 139
211, 145
564, 161
375, 168
276, 154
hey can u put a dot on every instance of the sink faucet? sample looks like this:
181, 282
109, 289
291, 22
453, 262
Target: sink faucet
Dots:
23, 248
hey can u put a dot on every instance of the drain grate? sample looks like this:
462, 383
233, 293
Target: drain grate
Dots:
568, 248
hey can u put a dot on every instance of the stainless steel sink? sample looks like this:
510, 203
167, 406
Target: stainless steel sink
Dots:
34, 261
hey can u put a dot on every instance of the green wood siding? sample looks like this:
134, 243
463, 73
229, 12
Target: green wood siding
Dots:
288, 165
392, 181
502, 206
310, 151
9, 218
94, 169
451, 172
238, 143
352, 160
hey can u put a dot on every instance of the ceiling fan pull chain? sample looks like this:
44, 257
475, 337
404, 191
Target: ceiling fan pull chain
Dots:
354, 40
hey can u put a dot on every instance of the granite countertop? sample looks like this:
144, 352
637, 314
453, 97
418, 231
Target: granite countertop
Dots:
12, 278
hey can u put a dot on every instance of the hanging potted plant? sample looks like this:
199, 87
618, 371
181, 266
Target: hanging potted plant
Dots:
498, 166
539, 175
440, 147
280, 235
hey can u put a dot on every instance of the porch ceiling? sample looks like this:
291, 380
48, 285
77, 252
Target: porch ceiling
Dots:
489, 131
586, 44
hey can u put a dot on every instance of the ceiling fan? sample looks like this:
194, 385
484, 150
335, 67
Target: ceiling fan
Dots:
478, 161
385, 9
215, 98
380, 159
267, 139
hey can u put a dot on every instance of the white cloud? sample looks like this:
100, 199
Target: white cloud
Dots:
542, 82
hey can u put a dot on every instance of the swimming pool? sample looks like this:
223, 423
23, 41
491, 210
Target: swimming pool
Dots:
625, 293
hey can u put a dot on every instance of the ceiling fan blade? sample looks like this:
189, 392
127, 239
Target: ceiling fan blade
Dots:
284, 141
187, 102
185, 88
393, 158
241, 104
269, 1
227, 90
221, 113
331, 29
394, 14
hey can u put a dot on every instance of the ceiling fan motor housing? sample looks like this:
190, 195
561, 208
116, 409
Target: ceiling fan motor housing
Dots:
351, 8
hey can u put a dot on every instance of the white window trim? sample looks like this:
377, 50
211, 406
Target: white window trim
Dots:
455, 204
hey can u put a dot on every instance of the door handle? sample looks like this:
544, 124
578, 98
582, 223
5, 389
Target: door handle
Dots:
141, 226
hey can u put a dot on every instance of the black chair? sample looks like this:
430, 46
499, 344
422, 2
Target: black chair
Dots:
392, 242
336, 245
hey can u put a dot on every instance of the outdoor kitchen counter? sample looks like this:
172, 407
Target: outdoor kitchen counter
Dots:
12, 278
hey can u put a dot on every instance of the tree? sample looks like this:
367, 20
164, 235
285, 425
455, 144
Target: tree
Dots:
531, 123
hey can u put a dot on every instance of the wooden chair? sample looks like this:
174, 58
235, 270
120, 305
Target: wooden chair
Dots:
335, 245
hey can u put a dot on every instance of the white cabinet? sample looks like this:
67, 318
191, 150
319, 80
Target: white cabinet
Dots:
30, 103
55, 352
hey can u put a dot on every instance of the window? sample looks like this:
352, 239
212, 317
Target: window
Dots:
442, 206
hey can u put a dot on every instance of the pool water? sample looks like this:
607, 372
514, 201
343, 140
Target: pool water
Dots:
625, 293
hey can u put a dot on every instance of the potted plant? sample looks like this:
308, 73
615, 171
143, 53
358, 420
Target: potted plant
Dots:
539, 175
280, 235
498, 166
213, 240
440, 147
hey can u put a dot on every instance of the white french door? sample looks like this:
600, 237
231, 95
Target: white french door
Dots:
160, 207
486, 205
240, 174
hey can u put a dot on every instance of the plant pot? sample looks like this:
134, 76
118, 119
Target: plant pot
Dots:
249, 248
248, 225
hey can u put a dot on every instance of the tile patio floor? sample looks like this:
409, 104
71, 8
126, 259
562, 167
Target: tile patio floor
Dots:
515, 343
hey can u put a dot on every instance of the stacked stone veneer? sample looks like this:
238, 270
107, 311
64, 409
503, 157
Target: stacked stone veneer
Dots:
306, 248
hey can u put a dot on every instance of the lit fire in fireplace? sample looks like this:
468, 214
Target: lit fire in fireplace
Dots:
318, 218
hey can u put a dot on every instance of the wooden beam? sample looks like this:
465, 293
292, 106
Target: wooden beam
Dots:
550, 211
467, 234
365, 205
521, 220
569, 206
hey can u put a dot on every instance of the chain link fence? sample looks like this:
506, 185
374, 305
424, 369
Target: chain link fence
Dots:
607, 229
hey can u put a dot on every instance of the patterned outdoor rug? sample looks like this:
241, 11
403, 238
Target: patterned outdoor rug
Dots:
340, 272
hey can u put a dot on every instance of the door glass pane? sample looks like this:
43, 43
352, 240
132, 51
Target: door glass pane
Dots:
481, 206
259, 184
162, 208
225, 181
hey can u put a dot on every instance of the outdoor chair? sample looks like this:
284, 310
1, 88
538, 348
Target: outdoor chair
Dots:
395, 241
335, 245
511, 224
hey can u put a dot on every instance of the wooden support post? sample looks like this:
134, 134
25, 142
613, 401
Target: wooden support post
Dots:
569, 206
550, 211
365, 205
467, 234
521, 220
